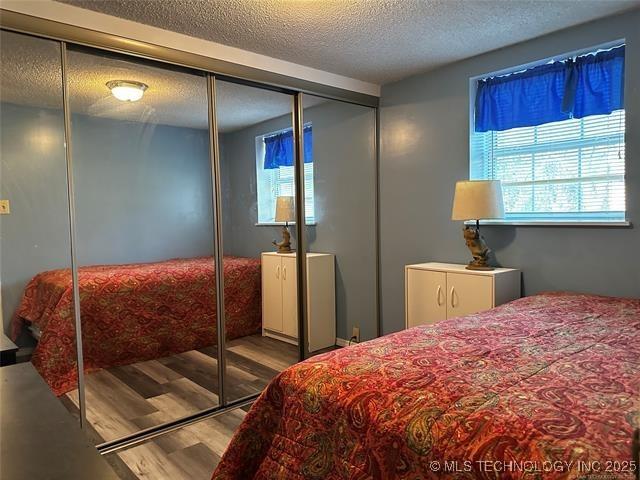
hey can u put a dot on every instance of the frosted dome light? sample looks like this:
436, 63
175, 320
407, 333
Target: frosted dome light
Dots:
127, 90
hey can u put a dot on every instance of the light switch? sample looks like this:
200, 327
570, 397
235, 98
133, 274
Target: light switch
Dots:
5, 208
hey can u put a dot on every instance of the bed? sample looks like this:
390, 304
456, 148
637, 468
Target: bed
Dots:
134, 312
542, 387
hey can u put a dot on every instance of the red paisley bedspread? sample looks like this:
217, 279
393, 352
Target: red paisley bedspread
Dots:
544, 379
135, 312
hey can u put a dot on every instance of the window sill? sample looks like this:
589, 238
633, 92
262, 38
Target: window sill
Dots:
556, 223
281, 224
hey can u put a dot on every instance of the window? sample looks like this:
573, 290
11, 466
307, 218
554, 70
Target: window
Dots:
553, 165
276, 173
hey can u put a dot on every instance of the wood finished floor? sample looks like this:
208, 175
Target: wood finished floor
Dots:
191, 452
123, 400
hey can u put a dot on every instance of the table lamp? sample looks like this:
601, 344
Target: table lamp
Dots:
476, 200
285, 212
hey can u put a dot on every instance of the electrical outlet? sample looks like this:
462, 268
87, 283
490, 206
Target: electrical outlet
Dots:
5, 208
355, 333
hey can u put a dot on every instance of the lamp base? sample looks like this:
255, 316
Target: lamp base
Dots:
487, 268
478, 248
285, 245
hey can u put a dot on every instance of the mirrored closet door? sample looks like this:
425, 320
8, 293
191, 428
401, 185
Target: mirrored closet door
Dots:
340, 198
257, 189
142, 181
149, 266
35, 243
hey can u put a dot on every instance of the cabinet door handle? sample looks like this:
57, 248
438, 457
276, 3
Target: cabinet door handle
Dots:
278, 271
453, 291
438, 292
284, 273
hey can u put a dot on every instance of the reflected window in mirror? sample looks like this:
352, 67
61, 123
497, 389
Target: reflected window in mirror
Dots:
275, 172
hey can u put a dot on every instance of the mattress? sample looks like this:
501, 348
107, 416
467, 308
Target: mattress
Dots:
135, 312
546, 386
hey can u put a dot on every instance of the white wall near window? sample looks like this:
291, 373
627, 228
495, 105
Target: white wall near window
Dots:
275, 182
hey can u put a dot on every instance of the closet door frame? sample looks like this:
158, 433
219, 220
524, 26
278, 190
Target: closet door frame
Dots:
68, 149
214, 69
216, 203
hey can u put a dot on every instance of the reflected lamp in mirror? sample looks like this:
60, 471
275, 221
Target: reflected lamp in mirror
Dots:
477, 200
285, 212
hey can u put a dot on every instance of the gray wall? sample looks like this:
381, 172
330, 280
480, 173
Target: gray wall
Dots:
35, 236
344, 184
425, 150
143, 193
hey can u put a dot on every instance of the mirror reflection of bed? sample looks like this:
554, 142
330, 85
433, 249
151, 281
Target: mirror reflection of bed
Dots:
149, 349
149, 346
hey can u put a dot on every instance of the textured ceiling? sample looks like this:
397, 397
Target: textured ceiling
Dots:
373, 40
31, 75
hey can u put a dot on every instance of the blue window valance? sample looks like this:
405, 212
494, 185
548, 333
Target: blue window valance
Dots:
279, 148
589, 85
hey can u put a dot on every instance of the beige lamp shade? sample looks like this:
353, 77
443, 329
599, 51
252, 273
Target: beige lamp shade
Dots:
477, 199
285, 209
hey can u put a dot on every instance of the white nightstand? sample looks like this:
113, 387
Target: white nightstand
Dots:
438, 291
280, 298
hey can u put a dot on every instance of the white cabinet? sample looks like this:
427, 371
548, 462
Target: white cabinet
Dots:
280, 298
289, 297
428, 293
437, 291
272, 292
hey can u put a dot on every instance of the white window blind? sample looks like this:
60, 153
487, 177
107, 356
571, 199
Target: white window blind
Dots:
572, 170
276, 182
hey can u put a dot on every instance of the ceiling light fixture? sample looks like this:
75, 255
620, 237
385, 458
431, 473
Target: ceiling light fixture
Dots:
127, 90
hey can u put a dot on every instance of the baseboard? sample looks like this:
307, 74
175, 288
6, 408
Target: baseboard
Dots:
278, 336
340, 342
